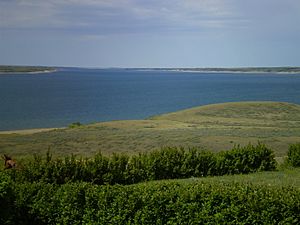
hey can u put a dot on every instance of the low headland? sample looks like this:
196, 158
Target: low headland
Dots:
278, 70
215, 127
282, 70
25, 69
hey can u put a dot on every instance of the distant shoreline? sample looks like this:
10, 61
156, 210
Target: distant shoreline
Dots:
225, 71
250, 70
241, 70
7, 69
30, 72
238, 71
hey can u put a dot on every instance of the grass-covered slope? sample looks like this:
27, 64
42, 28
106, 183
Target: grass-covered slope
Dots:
214, 127
264, 114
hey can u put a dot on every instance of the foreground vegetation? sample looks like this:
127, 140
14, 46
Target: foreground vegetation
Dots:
261, 198
166, 202
216, 127
131, 188
167, 163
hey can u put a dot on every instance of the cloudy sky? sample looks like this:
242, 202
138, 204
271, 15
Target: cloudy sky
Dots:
150, 33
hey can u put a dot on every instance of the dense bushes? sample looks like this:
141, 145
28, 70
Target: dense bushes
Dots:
6, 198
245, 160
166, 163
63, 191
293, 156
165, 202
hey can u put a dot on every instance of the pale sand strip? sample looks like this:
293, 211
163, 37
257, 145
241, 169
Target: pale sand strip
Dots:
28, 131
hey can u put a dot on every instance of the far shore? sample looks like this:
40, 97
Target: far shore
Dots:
31, 72
224, 70
246, 70
240, 72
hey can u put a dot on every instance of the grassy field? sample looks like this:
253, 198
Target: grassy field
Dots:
283, 177
213, 127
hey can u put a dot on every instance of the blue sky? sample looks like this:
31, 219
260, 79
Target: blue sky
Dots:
150, 33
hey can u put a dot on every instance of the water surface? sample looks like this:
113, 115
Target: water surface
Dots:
86, 95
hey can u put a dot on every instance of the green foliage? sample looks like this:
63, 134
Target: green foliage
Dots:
96, 169
199, 163
117, 169
75, 125
6, 198
294, 155
166, 163
245, 160
167, 202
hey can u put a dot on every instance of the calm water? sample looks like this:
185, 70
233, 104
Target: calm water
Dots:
60, 98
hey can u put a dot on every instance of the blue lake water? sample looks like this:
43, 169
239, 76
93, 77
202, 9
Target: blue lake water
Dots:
85, 95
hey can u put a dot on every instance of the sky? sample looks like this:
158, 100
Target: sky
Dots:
150, 33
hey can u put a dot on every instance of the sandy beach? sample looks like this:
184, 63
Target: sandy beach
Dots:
28, 131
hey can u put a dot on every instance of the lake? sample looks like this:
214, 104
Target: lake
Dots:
92, 95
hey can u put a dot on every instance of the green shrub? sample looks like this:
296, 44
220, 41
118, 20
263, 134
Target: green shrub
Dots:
117, 169
293, 156
137, 169
6, 198
245, 159
167, 202
96, 169
198, 163
166, 163
75, 125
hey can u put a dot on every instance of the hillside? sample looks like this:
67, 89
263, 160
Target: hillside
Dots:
242, 114
214, 127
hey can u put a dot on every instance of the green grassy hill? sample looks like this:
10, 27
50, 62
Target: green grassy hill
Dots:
213, 127
238, 113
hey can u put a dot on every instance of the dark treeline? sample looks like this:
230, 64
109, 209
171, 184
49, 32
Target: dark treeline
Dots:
166, 163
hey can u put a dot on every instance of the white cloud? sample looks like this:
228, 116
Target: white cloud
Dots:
27, 14
102, 17
39, 13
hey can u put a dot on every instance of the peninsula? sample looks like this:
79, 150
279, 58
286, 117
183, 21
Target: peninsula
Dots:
229, 70
26, 69
247, 70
